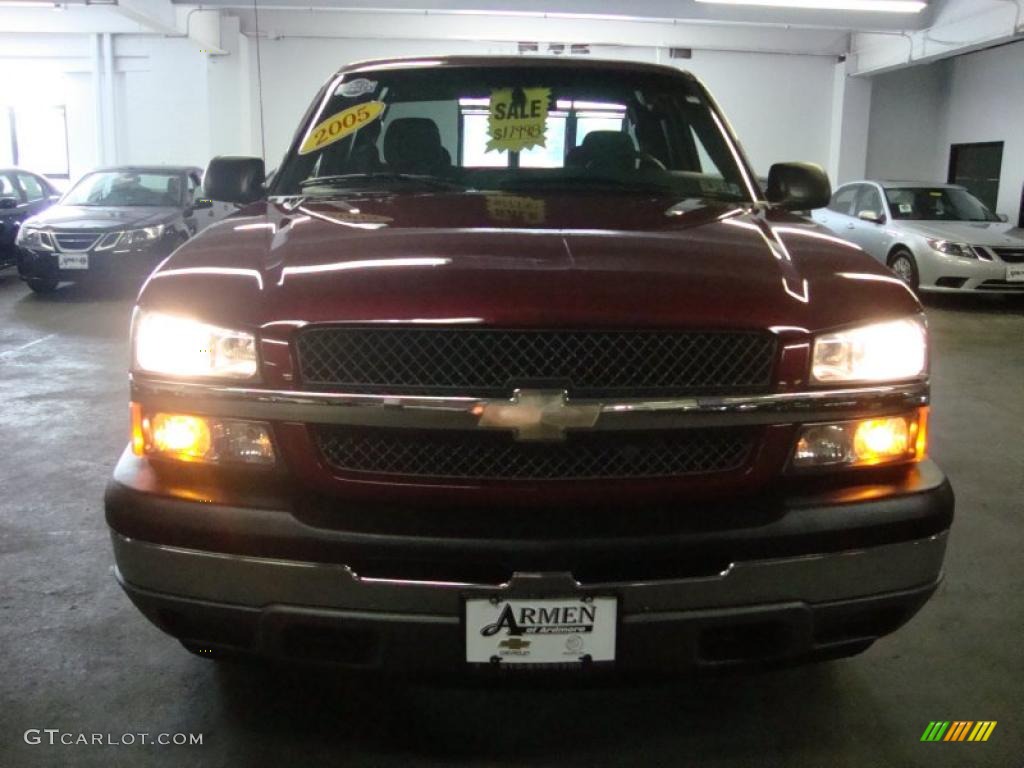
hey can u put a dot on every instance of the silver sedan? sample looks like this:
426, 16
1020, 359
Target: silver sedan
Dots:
936, 237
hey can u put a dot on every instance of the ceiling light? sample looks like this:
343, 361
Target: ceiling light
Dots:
886, 6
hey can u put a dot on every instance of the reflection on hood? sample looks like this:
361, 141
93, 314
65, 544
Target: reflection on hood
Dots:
103, 218
970, 232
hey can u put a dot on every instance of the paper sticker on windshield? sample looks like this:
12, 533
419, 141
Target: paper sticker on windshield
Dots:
906, 208
515, 209
340, 125
357, 87
517, 119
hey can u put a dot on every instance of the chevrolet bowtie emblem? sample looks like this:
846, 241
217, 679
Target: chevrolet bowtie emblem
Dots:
539, 414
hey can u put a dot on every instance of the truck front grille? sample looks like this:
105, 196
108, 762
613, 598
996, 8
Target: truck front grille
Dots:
483, 455
492, 363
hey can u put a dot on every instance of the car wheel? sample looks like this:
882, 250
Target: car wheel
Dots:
42, 284
903, 264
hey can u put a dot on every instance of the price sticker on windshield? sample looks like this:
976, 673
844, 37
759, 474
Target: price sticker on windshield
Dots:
517, 119
341, 124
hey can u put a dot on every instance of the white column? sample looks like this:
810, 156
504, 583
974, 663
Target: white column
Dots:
848, 136
109, 107
96, 54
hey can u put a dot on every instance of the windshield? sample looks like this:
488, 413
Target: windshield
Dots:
937, 204
576, 130
120, 188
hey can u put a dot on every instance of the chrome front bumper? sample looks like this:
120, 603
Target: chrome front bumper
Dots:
256, 582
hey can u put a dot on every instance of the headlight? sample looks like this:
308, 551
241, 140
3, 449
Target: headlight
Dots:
963, 250
888, 351
179, 346
134, 238
28, 237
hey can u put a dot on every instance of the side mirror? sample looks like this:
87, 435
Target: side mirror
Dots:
8, 202
798, 186
872, 216
1002, 217
54, 198
235, 180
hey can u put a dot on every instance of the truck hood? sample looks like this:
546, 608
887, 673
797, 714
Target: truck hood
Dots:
994, 233
87, 218
523, 261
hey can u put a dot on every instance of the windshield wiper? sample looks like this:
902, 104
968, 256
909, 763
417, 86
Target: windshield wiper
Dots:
597, 182
350, 180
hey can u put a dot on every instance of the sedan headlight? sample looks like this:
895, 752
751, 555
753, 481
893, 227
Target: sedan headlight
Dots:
29, 237
963, 250
136, 238
180, 346
888, 351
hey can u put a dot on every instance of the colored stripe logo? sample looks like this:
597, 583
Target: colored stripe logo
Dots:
958, 730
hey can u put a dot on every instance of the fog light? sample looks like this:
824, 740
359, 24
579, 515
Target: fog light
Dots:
184, 437
201, 438
867, 442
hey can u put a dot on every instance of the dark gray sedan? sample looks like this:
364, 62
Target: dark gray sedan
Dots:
114, 223
22, 194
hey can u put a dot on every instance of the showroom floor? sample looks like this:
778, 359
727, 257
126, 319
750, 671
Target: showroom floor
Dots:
75, 655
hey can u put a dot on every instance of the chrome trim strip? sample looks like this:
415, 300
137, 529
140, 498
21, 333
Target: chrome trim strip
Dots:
465, 412
258, 582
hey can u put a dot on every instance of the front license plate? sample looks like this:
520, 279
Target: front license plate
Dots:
1015, 274
548, 631
73, 260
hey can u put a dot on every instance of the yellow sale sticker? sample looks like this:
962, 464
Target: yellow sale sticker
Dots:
518, 118
341, 124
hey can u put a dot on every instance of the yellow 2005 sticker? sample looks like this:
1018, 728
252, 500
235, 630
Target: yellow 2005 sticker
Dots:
518, 118
341, 124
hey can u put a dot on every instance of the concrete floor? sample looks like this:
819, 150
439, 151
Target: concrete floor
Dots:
75, 655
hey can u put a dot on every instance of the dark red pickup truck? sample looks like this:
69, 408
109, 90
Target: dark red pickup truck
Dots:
515, 364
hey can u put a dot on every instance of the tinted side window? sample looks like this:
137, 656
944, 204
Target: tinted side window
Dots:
842, 200
869, 200
33, 189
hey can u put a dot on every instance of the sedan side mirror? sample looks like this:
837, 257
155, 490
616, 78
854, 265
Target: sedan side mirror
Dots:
1002, 217
235, 180
798, 186
872, 216
8, 202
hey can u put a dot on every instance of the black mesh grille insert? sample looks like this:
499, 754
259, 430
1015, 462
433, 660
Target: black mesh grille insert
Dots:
483, 362
1010, 255
496, 455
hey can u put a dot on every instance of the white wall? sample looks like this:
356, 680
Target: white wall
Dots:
917, 113
176, 104
779, 105
789, 121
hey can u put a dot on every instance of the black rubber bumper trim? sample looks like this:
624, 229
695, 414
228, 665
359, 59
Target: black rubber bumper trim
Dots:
761, 634
801, 528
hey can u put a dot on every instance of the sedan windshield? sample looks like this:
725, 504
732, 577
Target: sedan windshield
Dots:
937, 204
127, 188
515, 128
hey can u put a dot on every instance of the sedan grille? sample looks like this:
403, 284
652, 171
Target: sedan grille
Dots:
480, 455
493, 363
1010, 255
76, 241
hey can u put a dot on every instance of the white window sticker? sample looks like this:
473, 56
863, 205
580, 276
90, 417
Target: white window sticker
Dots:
357, 87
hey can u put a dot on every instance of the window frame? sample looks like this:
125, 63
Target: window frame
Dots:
855, 188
